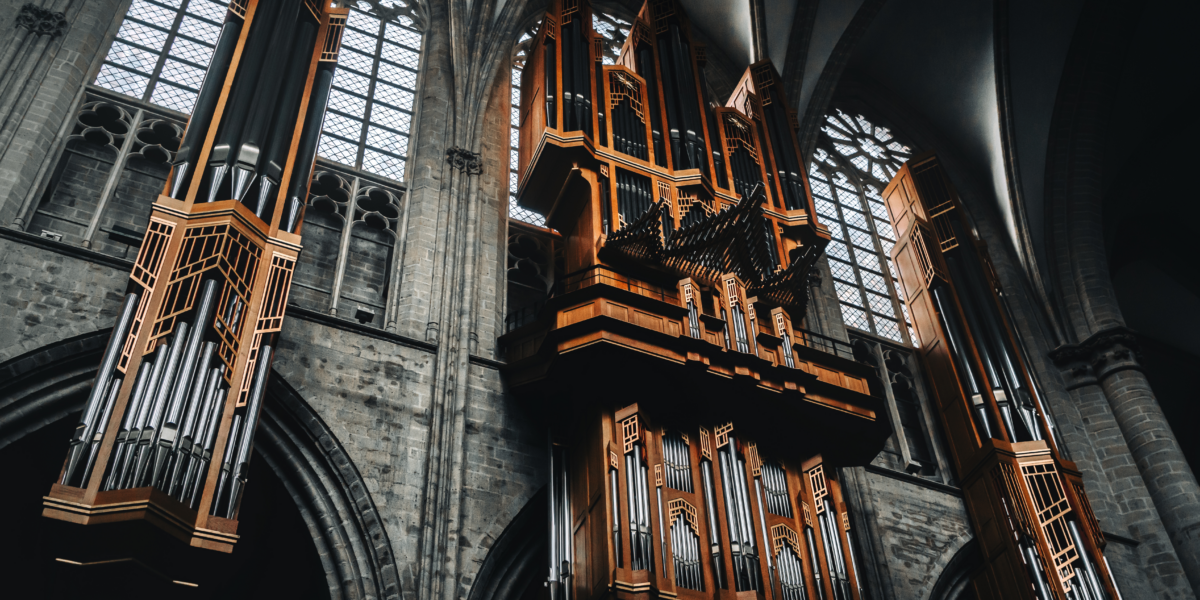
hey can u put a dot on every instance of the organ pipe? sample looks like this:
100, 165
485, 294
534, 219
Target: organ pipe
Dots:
184, 375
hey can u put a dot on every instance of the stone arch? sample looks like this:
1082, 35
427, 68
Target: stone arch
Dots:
48, 384
517, 558
955, 581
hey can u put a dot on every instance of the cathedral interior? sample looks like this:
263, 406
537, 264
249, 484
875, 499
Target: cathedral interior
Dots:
583, 299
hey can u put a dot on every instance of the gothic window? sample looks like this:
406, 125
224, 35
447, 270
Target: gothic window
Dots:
514, 131
854, 161
162, 50
370, 109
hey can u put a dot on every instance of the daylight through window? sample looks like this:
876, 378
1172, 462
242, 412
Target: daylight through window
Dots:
854, 161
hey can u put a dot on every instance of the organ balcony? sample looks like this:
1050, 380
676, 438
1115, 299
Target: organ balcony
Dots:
686, 236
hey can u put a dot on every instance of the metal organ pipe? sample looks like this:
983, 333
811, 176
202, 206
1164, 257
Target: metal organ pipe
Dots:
737, 517
645, 57
262, 370
614, 485
955, 339
310, 134
710, 510
244, 90
98, 398
560, 525
816, 569
206, 104
283, 120
833, 551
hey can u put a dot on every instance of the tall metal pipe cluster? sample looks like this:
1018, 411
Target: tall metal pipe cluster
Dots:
742, 546
182, 382
685, 543
677, 461
636, 482
635, 195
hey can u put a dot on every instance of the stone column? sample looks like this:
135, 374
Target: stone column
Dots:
1110, 357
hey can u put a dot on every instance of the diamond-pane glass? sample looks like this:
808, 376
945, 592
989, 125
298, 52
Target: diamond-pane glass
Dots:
393, 95
825, 208
888, 329
343, 126
390, 117
874, 282
158, 43
207, 9
848, 293
880, 304
842, 270
403, 36
376, 76
388, 141
867, 260
183, 74
347, 103
397, 75
173, 97
855, 317
122, 81
838, 250
151, 13
514, 210
353, 60
860, 238
388, 166
337, 150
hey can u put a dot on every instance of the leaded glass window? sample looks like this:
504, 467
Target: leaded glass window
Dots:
520, 55
370, 109
162, 50
854, 161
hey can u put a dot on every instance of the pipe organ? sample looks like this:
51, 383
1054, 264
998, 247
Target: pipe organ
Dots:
1036, 529
167, 432
696, 429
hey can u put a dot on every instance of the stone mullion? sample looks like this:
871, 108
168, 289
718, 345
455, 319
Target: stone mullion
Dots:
339, 275
166, 50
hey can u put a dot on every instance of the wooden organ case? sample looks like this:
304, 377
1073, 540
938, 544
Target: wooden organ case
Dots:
1036, 530
167, 431
696, 428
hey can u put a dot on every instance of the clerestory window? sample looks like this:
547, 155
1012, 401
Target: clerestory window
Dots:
162, 50
371, 106
853, 162
163, 47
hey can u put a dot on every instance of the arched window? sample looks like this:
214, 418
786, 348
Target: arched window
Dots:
370, 109
854, 161
613, 30
162, 50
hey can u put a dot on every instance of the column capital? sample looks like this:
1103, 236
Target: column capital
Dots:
1104, 353
40, 21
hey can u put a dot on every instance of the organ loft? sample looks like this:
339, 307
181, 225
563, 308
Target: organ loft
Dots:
582, 300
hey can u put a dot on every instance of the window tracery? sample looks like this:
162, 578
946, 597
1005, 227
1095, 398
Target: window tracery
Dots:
853, 162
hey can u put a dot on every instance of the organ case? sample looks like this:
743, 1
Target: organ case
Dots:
1037, 532
696, 428
167, 432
